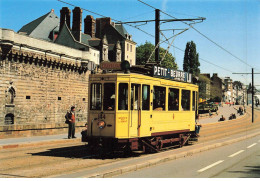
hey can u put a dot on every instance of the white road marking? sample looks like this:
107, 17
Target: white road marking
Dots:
251, 145
212, 165
230, 156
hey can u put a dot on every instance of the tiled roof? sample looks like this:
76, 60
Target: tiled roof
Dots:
42, 26
121, 29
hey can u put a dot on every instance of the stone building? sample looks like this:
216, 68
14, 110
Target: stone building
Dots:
58, 30
112, 40
39, 81
44, 69
117, 40
216, 92
228, 90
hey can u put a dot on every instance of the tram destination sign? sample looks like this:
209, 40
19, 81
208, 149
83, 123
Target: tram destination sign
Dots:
171, 74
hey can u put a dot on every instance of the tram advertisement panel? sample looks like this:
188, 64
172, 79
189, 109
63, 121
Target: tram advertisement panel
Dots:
171, 74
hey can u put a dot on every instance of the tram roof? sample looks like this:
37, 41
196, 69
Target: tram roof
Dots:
138, 75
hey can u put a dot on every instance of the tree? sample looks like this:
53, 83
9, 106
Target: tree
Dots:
191, 59
144, 51
238, 85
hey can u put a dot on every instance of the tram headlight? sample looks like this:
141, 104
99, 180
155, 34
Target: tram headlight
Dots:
101, 124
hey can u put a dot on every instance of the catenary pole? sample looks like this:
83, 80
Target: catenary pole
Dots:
252, 95
252, 89
157, 35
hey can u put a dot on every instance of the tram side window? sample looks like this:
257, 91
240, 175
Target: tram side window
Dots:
123, 96
135, 96
159, 98
185, 100
173, 97
146, 97
96, 92
193, 100
109, 96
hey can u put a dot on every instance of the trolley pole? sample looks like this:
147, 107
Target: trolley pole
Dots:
157, 35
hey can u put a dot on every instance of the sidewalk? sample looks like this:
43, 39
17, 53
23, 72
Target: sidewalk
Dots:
15, 142
226, 110
40, 140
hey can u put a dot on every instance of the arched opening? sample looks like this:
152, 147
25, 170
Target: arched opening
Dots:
10, 96
9, 119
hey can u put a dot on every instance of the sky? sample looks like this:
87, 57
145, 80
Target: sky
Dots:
232, 24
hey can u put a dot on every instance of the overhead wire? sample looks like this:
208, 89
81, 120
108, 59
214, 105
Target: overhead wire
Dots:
104, 16
143, 31
201, 35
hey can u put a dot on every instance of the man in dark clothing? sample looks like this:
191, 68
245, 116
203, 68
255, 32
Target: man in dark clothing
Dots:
70, 116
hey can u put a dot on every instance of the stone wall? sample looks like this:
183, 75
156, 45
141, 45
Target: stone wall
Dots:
42, 94
38, 88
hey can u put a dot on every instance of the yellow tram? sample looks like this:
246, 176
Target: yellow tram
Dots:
140, 112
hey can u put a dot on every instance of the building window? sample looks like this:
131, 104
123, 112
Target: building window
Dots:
131, 48
185, 100
127, 47
59, 98
28, 97
173, 99
84, 99
159, 98
123, 96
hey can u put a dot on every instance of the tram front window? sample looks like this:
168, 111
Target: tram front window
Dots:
95, 101
109, 96
123, 96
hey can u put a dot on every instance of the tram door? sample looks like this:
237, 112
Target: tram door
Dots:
135, 112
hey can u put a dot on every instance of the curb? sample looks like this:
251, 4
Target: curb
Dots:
152, 162
38, 143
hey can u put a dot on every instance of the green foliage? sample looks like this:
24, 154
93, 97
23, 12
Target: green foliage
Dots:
237, 84
144, 51
191, 59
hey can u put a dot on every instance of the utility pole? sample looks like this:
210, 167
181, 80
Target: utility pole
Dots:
252, 95
157, 35
157, 21
252, 89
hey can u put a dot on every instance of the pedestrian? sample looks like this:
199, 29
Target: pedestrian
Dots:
210, 114
70, 117
222, 118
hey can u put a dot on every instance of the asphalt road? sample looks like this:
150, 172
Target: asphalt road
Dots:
238, 160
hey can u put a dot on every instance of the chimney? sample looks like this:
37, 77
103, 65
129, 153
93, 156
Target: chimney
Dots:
65, 16
89, 27
100, 24
76, 23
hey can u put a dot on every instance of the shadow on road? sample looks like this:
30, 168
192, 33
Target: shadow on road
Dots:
83, 152
250, 172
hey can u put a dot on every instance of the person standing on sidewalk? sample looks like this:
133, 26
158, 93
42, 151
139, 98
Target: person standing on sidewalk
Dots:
70, 116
